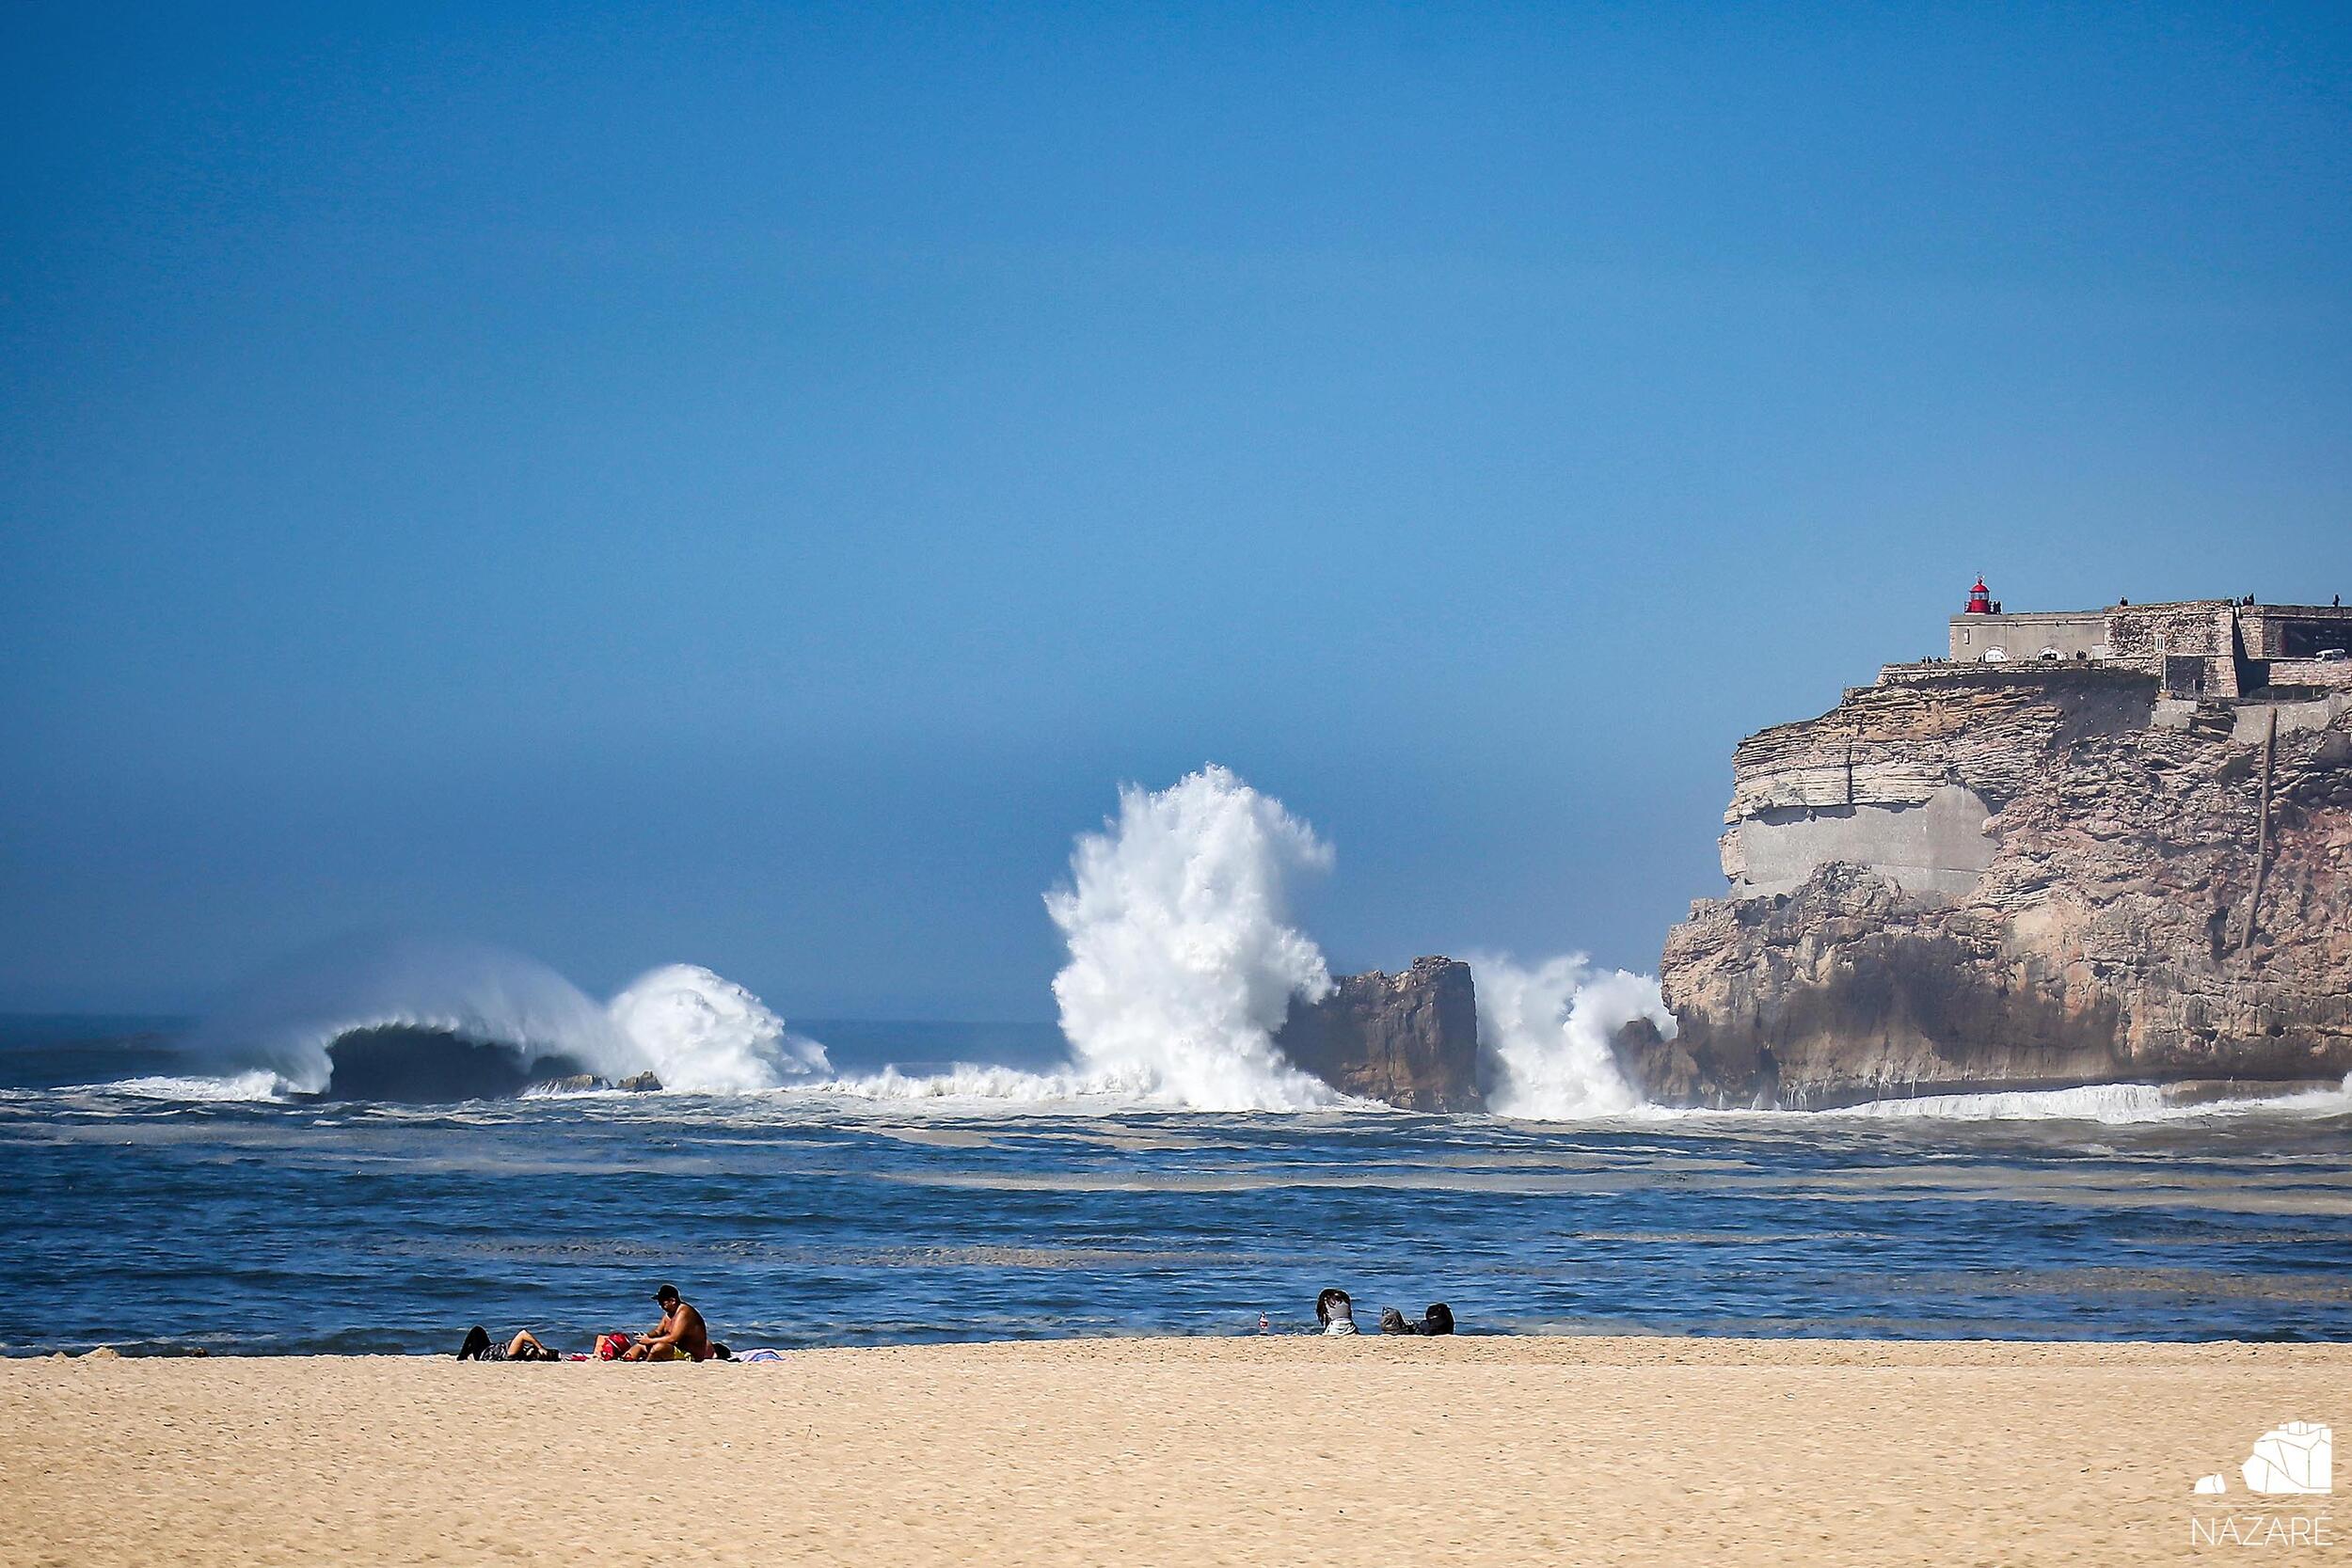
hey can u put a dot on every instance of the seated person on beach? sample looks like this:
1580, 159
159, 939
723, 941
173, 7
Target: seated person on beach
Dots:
680, 1336
1335, 1312
522, 1347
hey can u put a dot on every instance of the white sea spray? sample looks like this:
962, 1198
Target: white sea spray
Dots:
703, 1034
1183, 959
1544, 1034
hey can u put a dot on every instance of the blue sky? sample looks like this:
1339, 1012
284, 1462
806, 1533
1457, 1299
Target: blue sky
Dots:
743, 484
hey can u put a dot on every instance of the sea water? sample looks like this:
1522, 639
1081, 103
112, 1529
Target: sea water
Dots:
156, 1206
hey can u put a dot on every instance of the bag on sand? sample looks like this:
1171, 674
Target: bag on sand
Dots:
610, 1347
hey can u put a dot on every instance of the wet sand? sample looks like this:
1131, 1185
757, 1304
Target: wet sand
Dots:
1288, 1451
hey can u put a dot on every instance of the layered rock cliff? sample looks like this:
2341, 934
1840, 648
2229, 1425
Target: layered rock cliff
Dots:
1410, 1040
1969, 879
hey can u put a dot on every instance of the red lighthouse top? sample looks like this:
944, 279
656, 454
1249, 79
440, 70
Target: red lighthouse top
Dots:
1980, 599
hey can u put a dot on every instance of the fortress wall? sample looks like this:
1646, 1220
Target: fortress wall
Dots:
2033, 675
2025, 635
2311, 673
2140, 633
2293, 631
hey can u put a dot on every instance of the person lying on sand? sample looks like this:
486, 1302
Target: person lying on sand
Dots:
680, 1336
1335, 1312
1437, 1319
522, 1347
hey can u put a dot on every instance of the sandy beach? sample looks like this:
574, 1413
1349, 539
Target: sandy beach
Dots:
1469, 1451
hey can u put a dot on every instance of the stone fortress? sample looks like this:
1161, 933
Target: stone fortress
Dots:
2198, 647
2082, 847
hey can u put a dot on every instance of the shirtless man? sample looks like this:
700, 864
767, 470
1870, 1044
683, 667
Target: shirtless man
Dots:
680, 1335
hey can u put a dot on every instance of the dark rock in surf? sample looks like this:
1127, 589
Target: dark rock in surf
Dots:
571, 1082
1410, 1040
582, 1083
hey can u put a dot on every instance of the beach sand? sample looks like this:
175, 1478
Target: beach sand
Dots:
1291, 1450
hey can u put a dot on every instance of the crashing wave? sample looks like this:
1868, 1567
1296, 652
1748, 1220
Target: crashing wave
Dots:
1544, 1035
703, 1033
429, 995
443, 1021
1183, 960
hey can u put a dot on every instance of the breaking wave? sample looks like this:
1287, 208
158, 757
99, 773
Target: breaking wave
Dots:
1544, 1035
703, 1034
1183, 960
441, 1022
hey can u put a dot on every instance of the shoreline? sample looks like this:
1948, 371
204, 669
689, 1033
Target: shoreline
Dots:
1614, 1347
1470, 1450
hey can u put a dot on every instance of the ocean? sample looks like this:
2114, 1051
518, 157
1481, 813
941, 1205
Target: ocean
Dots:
163, 1203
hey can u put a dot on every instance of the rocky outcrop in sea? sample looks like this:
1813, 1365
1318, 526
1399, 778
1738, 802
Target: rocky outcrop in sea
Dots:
1410, 1040
1976, 878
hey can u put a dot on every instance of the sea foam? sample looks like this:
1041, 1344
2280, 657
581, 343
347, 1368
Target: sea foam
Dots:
703, 1033
2116, 1104
233, 1087
1544, 1035
1183, 959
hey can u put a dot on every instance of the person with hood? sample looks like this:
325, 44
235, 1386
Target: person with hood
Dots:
1335, 1312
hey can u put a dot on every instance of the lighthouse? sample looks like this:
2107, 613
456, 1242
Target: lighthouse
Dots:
1980, 599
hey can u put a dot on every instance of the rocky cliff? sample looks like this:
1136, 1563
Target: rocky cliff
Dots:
1967, 879
1410, 1040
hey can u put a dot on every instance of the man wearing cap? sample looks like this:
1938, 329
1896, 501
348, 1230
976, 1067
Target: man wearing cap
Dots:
680, 1336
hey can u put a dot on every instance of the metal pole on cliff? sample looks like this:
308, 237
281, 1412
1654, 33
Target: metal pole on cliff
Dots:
2262, 834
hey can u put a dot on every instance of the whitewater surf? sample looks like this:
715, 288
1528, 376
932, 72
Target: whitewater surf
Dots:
1183, 960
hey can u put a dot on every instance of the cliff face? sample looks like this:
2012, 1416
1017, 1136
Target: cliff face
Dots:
1410, 1040
1965, 880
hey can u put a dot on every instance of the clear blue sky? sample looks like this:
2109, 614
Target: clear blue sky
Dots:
742, 483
